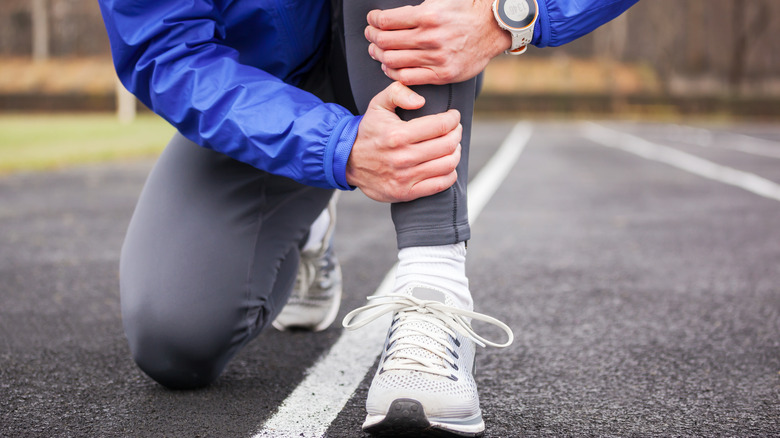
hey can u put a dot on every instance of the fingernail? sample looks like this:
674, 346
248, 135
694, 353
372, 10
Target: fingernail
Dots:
371, 51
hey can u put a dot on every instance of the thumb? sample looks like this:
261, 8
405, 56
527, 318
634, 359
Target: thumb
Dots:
399, 95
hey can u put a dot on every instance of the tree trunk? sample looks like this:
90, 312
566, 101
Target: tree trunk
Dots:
40, 30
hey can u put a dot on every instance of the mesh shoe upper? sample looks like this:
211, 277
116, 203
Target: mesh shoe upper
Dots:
316, 295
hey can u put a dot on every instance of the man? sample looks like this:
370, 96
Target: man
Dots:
237, 214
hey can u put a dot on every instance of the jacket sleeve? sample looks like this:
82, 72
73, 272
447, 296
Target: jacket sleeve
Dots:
172, 56
563, 21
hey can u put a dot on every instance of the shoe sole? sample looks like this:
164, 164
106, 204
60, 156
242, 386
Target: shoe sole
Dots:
406, 418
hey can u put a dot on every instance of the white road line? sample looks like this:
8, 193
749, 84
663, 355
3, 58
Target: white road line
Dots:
753, 145
729, 141
681, 160
331, 381
484, 184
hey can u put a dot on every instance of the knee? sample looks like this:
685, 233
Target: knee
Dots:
177, 351
174, 366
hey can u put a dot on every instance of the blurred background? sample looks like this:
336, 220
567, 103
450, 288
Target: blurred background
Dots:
665, 59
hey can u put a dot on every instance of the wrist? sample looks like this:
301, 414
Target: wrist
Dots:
518, 18
501, 39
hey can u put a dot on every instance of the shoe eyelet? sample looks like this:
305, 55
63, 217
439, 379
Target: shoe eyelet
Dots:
453, 378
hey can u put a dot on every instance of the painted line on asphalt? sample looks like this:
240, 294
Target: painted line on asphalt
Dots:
752, 145
329, 384
730, 141
681, 160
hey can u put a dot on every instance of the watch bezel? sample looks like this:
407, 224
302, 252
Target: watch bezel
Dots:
533, 12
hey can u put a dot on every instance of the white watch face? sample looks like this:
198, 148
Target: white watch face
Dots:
516, 10
515, 15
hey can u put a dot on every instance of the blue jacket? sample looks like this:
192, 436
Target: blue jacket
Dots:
223, 72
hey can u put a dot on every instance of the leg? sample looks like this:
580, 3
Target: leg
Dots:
440, 219
425, 376
209, 260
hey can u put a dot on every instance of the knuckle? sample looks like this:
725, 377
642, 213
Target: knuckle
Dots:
444, 127
428, 17
396, 139
440, 186
447, 164
448, 74
454, 161
453, 179
398, 192
379, 38
380, 19
403, 76
457, 134
404, 161
453, 147
390, 59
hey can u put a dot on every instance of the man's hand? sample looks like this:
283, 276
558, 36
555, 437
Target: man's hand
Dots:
393, 160
437, 42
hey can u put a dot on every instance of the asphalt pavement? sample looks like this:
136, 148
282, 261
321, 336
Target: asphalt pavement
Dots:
644, 297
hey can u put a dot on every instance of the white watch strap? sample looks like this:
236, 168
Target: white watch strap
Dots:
520, 42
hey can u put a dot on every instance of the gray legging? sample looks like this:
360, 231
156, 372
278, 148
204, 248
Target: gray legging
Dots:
212, 249
435, 220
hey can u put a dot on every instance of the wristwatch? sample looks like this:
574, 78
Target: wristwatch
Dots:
519, 18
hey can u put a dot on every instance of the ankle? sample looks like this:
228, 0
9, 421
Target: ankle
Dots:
441, 267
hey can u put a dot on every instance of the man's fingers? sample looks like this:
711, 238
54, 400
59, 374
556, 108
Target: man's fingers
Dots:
405, 39
440, 166
427, 178
397, 59
393, 19
432, 186
433, 126
430, 150
397, 95
417, 76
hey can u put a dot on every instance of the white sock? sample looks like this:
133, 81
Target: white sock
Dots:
442, 267
317, 232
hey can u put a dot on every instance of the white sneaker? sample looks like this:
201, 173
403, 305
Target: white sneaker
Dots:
424, 381
316, 296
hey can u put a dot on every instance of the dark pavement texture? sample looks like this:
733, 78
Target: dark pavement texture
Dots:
644, 300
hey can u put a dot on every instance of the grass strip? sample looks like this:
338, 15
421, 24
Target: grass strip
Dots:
41, 142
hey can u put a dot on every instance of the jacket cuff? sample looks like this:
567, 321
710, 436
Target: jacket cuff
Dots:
541, 36
337, 152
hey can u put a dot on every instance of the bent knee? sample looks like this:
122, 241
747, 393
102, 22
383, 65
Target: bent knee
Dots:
177, 362
177, 351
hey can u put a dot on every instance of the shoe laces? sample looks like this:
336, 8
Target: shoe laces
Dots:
423, 326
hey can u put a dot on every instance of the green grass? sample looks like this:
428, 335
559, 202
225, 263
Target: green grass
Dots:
40, 142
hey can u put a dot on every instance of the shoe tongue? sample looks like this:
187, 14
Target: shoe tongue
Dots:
428, 294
